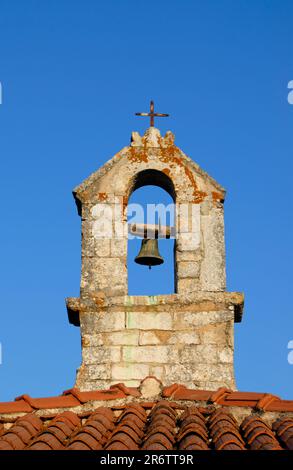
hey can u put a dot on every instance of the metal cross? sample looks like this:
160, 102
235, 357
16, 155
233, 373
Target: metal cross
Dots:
152, 114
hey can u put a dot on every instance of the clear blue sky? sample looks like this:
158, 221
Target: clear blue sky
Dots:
73, 75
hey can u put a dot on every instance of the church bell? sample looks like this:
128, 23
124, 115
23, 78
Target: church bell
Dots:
149, 253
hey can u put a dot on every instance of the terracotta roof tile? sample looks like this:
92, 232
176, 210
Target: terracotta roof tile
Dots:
168, 391
219, 394
56, 433
20, 406
283, 428
266, 401
129, 431
258, 435
133, 391
53, 402
98, 426
160, 434
280, 405
180, 392
97, 395
171, 423
21, 432
193, 433
224, 431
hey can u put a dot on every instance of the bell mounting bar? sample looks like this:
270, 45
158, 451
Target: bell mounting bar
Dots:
152, 230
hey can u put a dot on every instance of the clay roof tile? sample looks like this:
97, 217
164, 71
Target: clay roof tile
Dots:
168, 392
20, 406
219, 394
193, 442
126, 390
158, 438
265, 401
53, 402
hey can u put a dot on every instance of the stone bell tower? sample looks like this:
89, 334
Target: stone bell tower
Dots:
186, 337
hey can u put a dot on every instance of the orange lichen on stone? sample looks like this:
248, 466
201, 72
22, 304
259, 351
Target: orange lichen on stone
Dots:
168, 155
198, 195
217, 197
137, 155
102, 197
124, 204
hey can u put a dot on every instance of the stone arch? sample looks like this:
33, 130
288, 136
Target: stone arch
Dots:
152, 177
155, 178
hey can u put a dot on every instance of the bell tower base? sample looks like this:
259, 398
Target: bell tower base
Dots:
186, 339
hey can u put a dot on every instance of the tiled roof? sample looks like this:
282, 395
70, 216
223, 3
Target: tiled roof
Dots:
162, 427
121, 418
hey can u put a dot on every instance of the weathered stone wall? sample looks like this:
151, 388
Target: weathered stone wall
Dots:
187, 341
200, 247
186, 337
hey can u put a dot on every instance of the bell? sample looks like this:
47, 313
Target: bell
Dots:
149, 253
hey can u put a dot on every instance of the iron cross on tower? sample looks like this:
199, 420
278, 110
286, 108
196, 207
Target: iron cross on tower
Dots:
152, 114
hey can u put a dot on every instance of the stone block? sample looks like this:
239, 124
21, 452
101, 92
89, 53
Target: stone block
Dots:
102, 247
109, 321
122, 337
216, 385
213, 274
99, 371
129, 371
185, 285
128, 383
186, 320
188, 224
146, 354
194, 255
119, 247
206, 354
184, 337
212, 373
149, 320
214, 334
226, 355
98, 355
188, 269
178, 373
109, 272
188, 241
92, 340
92, 385
93, 247
148, 337
158, 372
88, 246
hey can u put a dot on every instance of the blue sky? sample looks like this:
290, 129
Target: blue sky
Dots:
73, 74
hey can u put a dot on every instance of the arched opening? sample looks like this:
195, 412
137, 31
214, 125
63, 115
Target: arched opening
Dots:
152, 202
